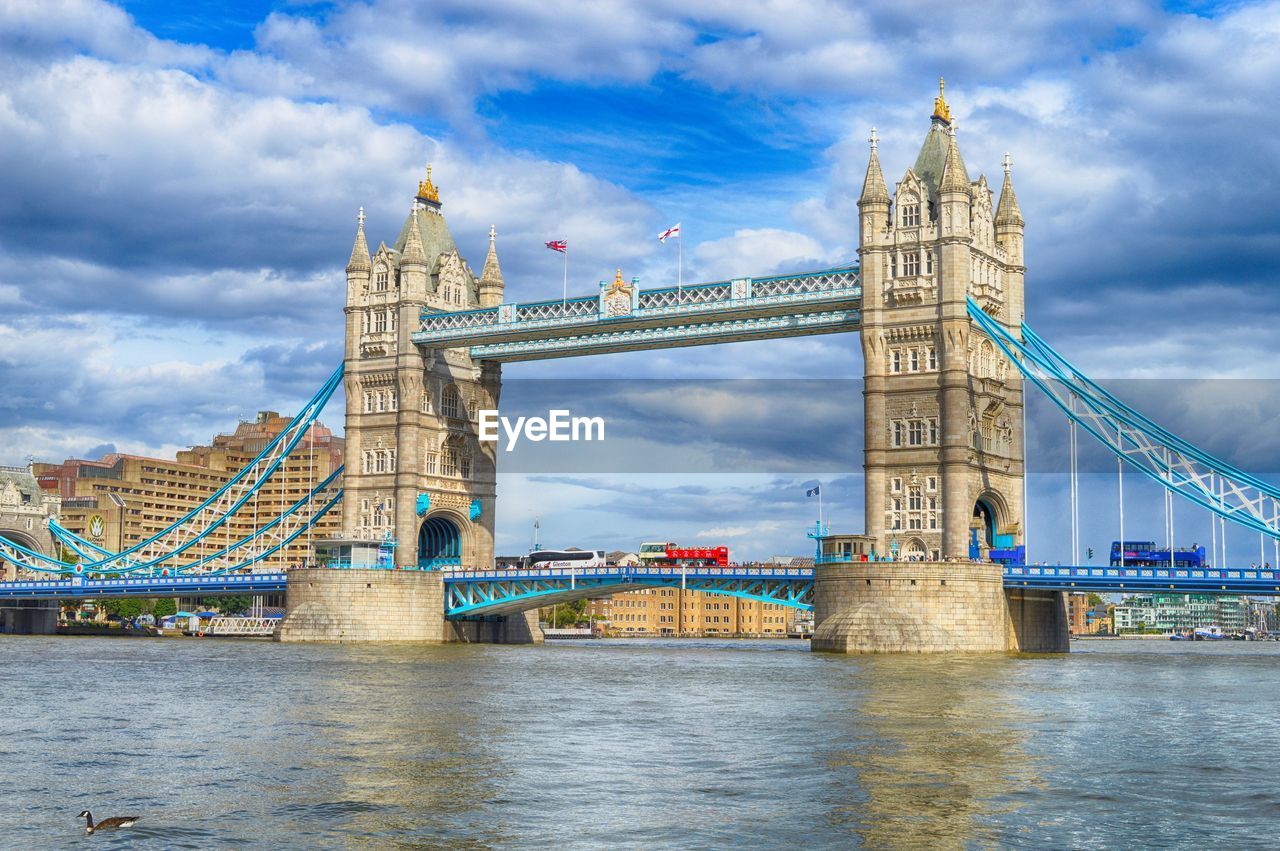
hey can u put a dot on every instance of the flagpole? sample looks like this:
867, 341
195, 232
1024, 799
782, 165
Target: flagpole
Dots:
565, 299
821, 531
679, 265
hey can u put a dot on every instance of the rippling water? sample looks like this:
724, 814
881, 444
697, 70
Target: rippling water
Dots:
636, 744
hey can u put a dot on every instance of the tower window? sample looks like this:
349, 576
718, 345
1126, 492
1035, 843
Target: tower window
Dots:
915, 360
911, 264
911, 215
933, 358
897, 360
928, 262
380, 281
451, 403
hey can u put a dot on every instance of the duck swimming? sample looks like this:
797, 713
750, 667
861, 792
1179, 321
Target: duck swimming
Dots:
107, 823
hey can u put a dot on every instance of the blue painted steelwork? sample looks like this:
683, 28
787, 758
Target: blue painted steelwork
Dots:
201, 521
257, 556
150, 586
474, 593
439, 544
1158, 454
1178, 580
826, 301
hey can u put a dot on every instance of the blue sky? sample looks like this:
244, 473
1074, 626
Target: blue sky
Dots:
179, 186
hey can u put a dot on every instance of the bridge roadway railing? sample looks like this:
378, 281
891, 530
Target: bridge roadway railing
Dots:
837, 290
1262, 582
151, 586
475, 593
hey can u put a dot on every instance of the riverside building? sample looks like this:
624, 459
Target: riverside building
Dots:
120, 500
1182, 613
676, 612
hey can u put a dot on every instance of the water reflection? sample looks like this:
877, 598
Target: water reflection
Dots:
938, 751
406, 753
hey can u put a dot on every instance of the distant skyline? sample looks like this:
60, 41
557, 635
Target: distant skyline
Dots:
180, 185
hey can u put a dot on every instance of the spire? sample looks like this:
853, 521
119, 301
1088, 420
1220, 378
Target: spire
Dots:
874, 190
427, 191
941, 111
492, 273
1008, 213
359, 261
413, 252
954, 176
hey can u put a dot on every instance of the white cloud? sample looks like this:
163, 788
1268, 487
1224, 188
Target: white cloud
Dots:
757, 251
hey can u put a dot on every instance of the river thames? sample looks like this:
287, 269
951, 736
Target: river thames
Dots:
636, 744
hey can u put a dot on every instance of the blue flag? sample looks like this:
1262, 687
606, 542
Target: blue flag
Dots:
813, 491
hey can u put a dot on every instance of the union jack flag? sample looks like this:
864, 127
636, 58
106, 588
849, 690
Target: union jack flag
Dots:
673, 231
561, 245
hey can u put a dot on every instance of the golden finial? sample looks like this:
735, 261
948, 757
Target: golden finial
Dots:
617, 280
940, 109
427, 190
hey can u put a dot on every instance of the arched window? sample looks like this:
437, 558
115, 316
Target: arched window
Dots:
451, 404
910, 212
380, 280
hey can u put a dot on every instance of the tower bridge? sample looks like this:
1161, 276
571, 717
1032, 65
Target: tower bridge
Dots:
937, 298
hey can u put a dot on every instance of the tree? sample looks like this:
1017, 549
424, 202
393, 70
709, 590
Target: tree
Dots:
568, 613
1094, 599
164, 607
234, 604
125, 608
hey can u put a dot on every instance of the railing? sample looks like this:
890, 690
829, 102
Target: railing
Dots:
741, 293
625, 573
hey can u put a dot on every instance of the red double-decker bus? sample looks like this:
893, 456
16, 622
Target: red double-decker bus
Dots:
696, 556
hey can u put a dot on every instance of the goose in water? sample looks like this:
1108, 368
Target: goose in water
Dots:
107, 823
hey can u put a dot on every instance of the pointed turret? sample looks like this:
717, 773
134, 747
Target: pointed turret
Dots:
412, 252
359, 261
415, 271
955, 178
874, 189
491, 283
1007, 213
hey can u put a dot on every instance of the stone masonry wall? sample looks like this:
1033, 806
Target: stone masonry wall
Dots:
927, 607
342, 606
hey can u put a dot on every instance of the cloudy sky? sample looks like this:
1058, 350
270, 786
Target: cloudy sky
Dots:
179, 192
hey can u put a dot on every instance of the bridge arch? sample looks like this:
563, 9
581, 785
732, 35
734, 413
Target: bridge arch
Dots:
441, 540
990, 515
9, 571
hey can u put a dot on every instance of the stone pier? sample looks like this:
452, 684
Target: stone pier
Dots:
29, 617
932, 607
406, 606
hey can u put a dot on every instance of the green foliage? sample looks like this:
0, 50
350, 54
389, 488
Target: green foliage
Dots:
164, 607
568, 614
234, 605
125, 608
1094, 599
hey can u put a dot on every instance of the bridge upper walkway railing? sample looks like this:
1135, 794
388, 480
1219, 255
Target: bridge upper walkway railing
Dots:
743, 307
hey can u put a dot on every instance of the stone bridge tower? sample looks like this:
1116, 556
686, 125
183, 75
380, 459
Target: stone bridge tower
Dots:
415, 470
944, 443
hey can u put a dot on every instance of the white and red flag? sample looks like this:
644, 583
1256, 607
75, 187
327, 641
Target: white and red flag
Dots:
561, 245
672, 232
